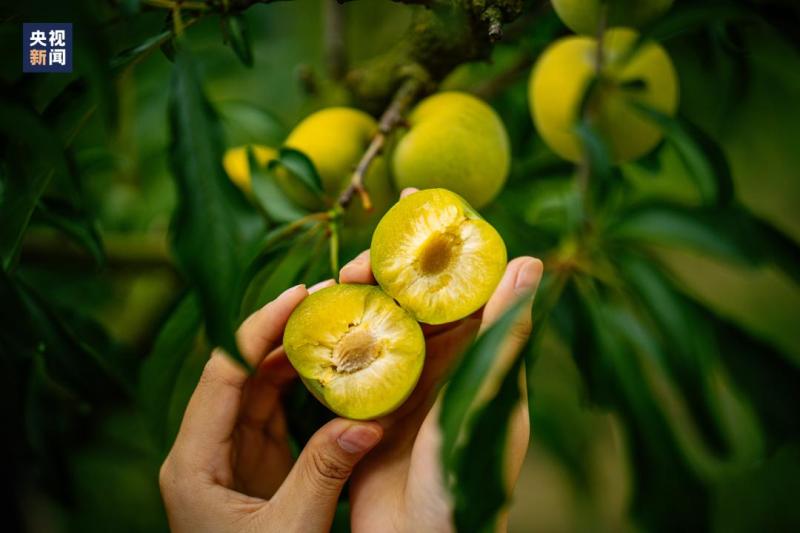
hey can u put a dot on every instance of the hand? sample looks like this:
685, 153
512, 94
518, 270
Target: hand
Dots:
399, 486
230, 468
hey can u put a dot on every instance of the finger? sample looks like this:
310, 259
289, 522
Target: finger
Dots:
358, 270
521, 279
214, 406
408, 191
262, 331
321, 285
310, 492
263, 390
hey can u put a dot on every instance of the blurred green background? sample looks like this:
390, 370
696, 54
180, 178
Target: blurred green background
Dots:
89, 462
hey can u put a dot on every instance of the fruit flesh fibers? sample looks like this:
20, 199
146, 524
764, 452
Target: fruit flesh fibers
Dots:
355, 349
455, 141
436, 256
561, 77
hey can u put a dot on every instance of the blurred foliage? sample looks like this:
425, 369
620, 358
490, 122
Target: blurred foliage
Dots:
664, 369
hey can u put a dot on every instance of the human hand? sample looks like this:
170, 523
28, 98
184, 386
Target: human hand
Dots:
399, 485
231, 469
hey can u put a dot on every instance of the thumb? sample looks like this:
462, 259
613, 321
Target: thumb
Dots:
311, 490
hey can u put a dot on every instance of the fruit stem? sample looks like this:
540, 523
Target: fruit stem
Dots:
391, 118
333, 228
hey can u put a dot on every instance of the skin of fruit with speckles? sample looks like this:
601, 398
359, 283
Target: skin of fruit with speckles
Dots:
355, 349
560, 78
436, 256
454, 141
584, 16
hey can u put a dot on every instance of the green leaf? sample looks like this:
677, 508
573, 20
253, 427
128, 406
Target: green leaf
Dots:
160, 371
685, 18
271, 198
467, 380
134, 53
210, 233
702, 157
731, 233
554, 205
480, 486
85, 368
73, 223
768, 378
130, 6
246, 123
614, 378
18, 334
33, 155
697, 341
285, 269
775, 246
300, 167
596, 151
741, 438
68, 112
235, 28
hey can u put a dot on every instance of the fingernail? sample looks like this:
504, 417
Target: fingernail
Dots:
357, 259
528, 276
359, 438
321, 285
290, 289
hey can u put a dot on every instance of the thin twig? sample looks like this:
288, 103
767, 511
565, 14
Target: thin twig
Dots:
390, 119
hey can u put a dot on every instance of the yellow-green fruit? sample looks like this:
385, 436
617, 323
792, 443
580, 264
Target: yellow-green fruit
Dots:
454, 141
355, 349
584, 16
436, 256
335, 139
237, 167
560, 79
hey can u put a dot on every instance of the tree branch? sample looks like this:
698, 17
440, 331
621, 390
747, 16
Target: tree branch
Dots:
443, 34
403, 98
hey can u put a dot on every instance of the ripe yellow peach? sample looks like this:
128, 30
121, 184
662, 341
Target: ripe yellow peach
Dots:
566, 69
454, 141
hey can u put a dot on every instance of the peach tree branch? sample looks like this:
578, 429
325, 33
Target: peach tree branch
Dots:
442, 35
402, 100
